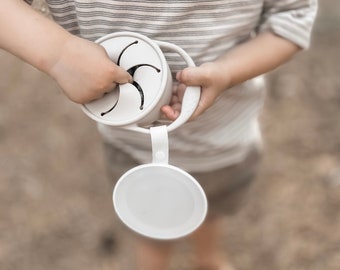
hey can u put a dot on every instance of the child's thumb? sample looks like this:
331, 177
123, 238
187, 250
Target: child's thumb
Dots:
192, 76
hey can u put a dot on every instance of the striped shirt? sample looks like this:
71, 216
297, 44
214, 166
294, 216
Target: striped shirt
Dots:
204, 29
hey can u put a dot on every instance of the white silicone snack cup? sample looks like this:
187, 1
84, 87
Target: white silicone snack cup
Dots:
190, 99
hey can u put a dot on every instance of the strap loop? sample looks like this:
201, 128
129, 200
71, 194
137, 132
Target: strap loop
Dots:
160, 144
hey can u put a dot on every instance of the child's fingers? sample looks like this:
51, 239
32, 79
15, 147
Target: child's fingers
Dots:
193, 76
171, 112
120, 75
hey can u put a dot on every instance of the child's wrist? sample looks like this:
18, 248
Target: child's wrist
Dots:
66, 42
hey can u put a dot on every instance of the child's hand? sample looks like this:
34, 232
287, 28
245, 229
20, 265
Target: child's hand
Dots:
246, 61
212, 80
85, 72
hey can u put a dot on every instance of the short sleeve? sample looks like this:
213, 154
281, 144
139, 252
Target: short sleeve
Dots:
290, 19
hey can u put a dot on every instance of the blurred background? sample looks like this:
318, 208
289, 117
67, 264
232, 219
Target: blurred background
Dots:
55, 198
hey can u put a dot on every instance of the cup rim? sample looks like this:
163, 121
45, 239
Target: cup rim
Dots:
158, 97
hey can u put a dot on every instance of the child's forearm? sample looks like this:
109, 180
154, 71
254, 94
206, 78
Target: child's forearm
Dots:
29, 35
246, 61
82, 68
255, 57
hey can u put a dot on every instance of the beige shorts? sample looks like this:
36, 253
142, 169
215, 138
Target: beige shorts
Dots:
225, 188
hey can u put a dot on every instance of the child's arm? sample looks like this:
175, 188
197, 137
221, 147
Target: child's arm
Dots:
82, 68
284, 26
257, 56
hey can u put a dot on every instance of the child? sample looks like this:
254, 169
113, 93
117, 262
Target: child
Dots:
231, 41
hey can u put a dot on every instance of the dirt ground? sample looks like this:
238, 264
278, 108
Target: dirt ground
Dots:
55, 201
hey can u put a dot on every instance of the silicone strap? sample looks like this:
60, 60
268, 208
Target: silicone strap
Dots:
160, 144
192, 93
